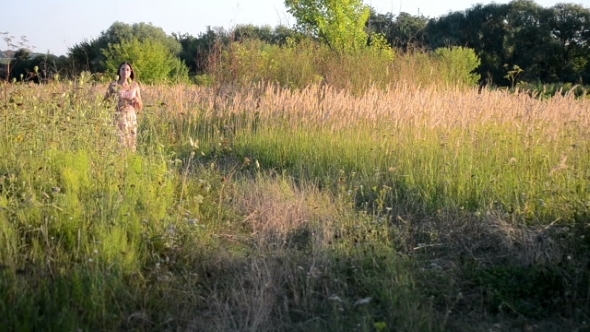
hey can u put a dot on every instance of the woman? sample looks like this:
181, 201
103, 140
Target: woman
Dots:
128, 103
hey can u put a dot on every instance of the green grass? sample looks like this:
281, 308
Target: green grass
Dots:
285, 222
478, 169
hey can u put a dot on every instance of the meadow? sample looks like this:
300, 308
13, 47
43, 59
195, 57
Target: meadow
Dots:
262, 208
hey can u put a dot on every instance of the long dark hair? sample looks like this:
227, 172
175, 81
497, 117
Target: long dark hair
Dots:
132, 76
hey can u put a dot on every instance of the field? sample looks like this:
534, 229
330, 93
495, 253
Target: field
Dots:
259, 208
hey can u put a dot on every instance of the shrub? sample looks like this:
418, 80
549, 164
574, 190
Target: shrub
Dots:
152, 61
458, 64
308, 62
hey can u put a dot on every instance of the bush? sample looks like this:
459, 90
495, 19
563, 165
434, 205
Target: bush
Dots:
152, 61
294, 65
458, 64
307, 62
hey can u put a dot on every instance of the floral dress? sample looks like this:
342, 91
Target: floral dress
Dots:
128, 103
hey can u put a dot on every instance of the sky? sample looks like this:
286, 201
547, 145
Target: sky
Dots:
55, 25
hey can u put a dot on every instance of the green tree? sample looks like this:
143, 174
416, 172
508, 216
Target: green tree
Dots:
119, 32
89, 55
202, 52
86, 56
481, 28
13, 56
569, 26
338, 23
198, 52
276, 36
15, 61
447, 30
525, 39
404, 31
547, 44
486, 33
41, 68
152, 61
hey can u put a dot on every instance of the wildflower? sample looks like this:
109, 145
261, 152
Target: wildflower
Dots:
335, 298
366, 300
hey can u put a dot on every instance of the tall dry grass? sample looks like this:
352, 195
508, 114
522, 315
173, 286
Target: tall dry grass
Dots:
403, 103
457, 148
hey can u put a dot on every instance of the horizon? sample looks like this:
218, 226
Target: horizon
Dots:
179, 17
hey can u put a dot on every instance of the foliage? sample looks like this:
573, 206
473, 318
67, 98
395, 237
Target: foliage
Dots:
255, 61
19, 48
277, 36
202, 52
458, 65
404, 31
568, 24
338, 23
305, 63
379, 44
549, 44
42, 68
119, 32
151, 60
540, 90
197, 52
89, 55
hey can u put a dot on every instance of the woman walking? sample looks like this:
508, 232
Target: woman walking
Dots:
128, 104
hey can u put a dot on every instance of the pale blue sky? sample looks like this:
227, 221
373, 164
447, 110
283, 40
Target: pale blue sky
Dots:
55, 25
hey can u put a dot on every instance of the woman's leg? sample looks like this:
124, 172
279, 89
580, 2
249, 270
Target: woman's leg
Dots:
127, 124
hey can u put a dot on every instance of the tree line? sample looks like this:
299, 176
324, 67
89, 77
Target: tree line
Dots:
517, 41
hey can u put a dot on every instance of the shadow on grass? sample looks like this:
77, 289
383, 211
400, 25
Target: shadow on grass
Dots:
495, 275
